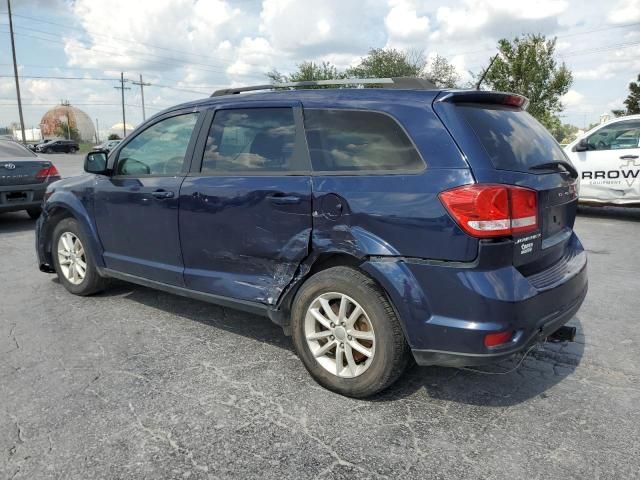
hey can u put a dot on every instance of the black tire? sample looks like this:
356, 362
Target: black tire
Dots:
34, 213
48, 150
392, 353
92, 282
72, 150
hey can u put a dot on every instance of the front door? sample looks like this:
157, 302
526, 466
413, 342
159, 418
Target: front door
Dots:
245, 210
136, 209
610, 168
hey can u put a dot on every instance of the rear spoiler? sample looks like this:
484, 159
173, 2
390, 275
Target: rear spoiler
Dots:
475, 96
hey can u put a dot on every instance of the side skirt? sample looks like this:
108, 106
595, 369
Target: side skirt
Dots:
250, 307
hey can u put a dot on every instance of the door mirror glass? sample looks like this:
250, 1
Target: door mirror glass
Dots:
96, 162
581, 146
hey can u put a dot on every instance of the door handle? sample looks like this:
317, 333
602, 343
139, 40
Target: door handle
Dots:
280, 199
162, 194
628, 157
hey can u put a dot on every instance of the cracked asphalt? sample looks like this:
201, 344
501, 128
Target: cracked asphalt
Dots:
135, 383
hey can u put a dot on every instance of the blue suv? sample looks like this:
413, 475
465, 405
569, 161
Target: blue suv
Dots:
374, 225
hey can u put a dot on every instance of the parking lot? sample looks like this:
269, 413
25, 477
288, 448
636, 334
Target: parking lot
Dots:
135, 383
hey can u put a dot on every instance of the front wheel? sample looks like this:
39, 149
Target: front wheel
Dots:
346, 333
49, 150
72, 261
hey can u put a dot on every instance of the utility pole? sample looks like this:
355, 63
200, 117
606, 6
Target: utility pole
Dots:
142, 85
123, 88
15, 72
97, 131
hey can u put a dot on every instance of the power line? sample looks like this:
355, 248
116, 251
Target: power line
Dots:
122, 39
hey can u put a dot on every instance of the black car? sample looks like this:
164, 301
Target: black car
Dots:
66, 146
24, 177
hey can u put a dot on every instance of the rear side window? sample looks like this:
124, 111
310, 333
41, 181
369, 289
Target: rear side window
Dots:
512, 138
251, 140
352, 140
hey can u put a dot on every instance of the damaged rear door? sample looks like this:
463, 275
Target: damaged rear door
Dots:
245, 208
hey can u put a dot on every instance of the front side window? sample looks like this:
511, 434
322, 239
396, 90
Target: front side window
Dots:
350, 140
617, 136
251, 140
158, 150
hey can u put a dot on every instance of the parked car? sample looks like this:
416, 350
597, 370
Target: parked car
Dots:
34, 146
608, 160
107, 146
23, 178
371, 224
58, 146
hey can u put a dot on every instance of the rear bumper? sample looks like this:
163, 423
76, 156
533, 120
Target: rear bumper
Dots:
21, 197
447, 309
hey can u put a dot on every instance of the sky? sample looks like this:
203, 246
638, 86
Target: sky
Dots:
187, 48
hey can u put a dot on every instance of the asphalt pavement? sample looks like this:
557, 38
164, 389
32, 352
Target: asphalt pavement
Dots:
135, 383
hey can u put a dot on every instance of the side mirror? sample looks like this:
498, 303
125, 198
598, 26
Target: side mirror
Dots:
96, 162
581, 146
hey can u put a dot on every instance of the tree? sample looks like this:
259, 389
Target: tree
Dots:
113, 136
526, 65
64, 130
389, 62
632, 102
442, 73
307, 71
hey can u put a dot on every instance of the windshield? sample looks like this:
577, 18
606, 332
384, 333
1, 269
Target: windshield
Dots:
512, 138
13, 150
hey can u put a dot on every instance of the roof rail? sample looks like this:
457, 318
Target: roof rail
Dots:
396, 82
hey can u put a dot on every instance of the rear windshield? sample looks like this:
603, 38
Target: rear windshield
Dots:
13, 150
513, 139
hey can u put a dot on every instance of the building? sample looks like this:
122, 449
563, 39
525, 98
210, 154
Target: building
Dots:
64, 121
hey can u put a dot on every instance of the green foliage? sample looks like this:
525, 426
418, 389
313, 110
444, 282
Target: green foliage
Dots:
113, 136
389, 62
526, 65
64, 130
632, 101
379, 63
307, 71
442, 73
562, 132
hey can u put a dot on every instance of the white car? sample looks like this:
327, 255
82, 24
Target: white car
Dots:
607, 158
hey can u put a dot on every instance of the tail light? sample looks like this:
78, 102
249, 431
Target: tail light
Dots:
492, 210
46, 172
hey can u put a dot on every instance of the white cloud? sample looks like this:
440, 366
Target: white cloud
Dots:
404, 25
498, 17
625, 11
572, 98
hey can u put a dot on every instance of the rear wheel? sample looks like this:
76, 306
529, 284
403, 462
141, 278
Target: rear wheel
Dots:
72, 261
347, 334
34, 212
72, 150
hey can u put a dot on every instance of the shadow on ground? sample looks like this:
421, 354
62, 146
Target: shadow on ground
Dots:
618, 213
16, 222
542, 368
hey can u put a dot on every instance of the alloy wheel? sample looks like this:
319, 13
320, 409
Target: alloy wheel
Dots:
72, 258
339, 334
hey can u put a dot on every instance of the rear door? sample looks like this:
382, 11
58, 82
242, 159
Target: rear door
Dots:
505, 144
610, 168
245, 210
136, 208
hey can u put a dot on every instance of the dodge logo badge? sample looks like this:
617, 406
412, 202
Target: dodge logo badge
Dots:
9, 166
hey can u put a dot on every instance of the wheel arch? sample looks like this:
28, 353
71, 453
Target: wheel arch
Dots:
63, 205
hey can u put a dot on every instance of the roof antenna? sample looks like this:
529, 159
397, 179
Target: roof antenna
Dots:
484, 74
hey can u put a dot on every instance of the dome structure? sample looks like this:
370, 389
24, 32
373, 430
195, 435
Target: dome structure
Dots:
54, 122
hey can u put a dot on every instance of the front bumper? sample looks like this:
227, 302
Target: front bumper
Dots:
14, 198
447, 309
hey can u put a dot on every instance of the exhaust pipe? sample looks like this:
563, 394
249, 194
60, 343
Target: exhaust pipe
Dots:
563, 334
